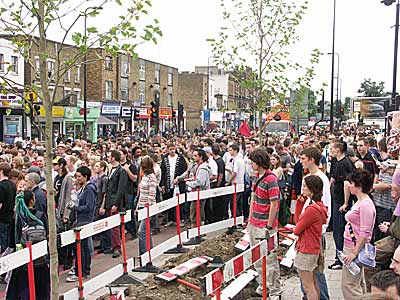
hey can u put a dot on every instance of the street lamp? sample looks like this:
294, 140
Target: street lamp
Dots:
333, 64
396, 44
85, 71
337, 77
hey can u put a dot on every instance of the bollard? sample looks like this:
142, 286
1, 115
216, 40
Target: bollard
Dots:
179, 248
264, 277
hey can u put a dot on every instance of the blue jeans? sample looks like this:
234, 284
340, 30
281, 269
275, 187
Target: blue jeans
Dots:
338, 224
323, 287
142, 237
131, 225
4, 236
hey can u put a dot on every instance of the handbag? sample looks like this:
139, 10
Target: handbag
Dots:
394, 228
367, 254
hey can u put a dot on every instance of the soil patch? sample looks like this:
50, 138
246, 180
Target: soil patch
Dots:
222, 245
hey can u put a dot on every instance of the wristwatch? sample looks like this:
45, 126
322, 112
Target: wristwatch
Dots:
269, 227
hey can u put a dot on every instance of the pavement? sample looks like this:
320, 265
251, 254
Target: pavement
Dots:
291, 286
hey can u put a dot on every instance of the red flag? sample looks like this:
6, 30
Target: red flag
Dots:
244, 129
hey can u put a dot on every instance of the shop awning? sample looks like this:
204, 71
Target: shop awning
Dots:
105, 121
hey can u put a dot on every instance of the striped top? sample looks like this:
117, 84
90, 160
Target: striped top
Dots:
147, 190
266, 191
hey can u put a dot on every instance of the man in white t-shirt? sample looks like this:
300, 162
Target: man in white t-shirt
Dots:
310, 158
238, 171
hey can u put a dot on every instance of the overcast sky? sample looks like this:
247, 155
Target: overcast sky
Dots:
364, 38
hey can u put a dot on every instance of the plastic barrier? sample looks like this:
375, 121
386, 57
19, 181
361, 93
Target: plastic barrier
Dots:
146, 213
214, 280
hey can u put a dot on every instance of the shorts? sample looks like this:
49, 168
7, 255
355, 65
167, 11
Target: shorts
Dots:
306, 262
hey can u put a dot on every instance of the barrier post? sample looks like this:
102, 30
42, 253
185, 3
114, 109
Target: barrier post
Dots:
218, 294
179, 248
148, 268
77, 231
197, 240
264, 277
31, 273
125, 278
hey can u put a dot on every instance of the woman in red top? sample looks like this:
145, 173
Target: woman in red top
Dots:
309, 231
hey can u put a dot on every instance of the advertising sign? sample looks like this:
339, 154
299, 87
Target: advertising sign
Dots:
370, 107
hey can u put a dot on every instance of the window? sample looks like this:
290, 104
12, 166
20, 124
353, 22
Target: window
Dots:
108, 63
78, 74
142, 70
142, 88
14, 64
169, 96
67, 76
124, 94
170, 79
1, 62
50, 68
109, 87
37, 62
157, 73
125, 69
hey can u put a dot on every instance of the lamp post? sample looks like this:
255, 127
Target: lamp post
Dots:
85, 70
333, 64
337, 77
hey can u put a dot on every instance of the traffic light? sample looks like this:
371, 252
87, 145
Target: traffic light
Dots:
321, 106
155, 110
173, 114
37, 109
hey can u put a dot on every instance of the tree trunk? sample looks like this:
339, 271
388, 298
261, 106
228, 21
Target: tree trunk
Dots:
48, 105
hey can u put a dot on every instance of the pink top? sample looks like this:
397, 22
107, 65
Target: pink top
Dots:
362, 220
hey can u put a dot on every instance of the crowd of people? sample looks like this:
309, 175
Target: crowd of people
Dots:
345, 182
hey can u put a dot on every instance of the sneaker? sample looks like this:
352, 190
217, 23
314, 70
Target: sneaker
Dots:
72, 271
116, 253
73, 278
169, 224
336, 266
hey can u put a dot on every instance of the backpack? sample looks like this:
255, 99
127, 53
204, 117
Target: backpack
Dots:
34, 232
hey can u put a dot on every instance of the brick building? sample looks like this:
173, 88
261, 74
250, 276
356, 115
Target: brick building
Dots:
193, 95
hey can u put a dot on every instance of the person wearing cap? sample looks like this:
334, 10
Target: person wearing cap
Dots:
61, 149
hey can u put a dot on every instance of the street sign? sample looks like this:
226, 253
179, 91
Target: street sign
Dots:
206, 115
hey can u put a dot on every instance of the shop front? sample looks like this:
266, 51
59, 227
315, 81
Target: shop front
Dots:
110, 113
58, 122
74, 122
12, 118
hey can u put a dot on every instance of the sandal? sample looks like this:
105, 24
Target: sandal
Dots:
335, 266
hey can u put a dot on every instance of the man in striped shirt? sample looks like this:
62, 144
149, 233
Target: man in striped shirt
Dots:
264, 209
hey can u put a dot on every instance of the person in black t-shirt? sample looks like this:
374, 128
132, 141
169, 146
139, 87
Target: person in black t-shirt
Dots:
366, 157
131, 188
7, 201
339, 173
219, 204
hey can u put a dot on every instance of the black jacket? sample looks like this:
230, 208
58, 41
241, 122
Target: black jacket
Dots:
116, 189
180, 168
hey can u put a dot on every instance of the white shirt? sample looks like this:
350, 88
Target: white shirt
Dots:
214, 168
172, 164
239, 168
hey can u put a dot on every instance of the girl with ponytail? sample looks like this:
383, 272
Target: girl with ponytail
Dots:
309, 231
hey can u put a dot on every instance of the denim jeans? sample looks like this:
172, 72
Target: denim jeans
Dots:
338, 224
142, 237
86, 259
105, 237
131, 225
321, 282
4, 236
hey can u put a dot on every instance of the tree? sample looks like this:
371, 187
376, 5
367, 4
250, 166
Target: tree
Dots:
371, 88
28, 23
257, 34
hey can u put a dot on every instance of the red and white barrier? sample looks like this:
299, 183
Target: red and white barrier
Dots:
244, 243
237, 285
184, 268
235, 267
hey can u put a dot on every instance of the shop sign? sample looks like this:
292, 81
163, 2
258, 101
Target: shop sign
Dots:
57, 111
89, 104
77, 113
110, 109
10, 100
126, 112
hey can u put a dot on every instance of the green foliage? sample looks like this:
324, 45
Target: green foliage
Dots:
371, 88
